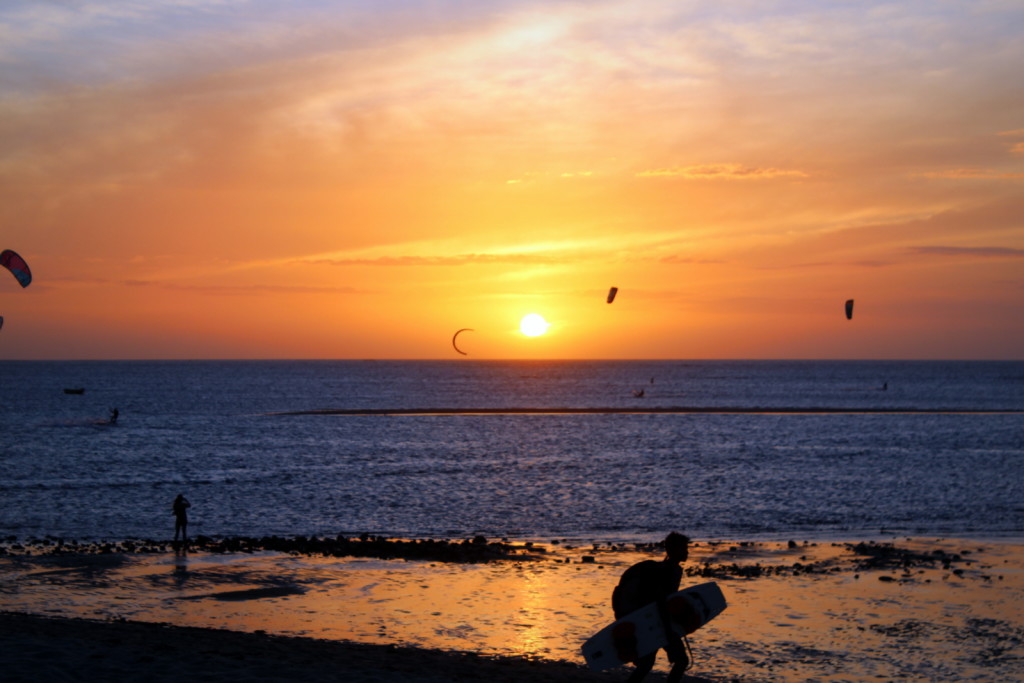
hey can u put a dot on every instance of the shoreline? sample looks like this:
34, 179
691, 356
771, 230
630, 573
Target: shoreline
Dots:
710, 559
468, 549
925, 609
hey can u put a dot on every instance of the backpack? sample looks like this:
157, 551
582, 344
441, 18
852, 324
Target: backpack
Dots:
637, 587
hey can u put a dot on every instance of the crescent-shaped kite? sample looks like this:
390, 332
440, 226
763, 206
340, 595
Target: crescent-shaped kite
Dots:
14, 263
611, 294
455, 336
849, 309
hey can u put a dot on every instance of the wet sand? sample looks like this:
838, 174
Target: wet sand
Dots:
919, 609
60, 649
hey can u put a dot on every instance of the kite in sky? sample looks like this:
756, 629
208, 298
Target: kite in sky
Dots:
455, 336
14, 263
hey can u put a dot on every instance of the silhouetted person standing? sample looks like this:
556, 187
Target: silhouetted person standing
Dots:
114, 412
653, 581
180, 511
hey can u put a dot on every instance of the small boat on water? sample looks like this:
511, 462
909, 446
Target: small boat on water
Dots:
74, 390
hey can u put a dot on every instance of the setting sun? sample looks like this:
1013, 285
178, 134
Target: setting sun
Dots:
533, 325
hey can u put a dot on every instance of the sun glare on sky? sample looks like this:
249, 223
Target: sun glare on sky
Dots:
533, 325
372, 176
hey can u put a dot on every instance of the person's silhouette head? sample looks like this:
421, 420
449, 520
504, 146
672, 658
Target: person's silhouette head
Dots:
677, 547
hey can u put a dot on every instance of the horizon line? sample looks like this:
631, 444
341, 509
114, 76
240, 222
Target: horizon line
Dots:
438, 359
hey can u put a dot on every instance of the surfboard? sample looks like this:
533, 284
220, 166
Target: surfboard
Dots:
640, 633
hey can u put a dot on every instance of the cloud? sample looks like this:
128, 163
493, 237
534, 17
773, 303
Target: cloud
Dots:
973, 174
689, 260
1017, 148
722, 172
982, 252
468, 252
657, 246
243, 289
870, 243
457, 260
864, 263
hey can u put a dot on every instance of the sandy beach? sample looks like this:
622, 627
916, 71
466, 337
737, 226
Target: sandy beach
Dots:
59, 649
916, 609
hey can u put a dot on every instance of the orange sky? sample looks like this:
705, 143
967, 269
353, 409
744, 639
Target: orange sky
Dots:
235, 179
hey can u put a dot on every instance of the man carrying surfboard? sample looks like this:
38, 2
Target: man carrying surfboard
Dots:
653, 581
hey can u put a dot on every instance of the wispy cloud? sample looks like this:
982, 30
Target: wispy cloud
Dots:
1016, 148
456, 260
653, 246
242, 289
722, 172
689, 260
536, 177
862, 263
974, 173
973, 252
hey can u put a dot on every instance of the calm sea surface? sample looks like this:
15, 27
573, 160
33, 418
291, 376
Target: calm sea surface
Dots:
212, 431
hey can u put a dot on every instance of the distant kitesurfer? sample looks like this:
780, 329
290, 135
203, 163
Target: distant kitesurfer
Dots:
180, 511
113, 415
653, 581
638, 393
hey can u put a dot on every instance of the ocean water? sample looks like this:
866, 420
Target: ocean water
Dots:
226, 434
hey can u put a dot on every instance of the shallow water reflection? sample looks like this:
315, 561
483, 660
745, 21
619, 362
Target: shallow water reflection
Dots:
928, 622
